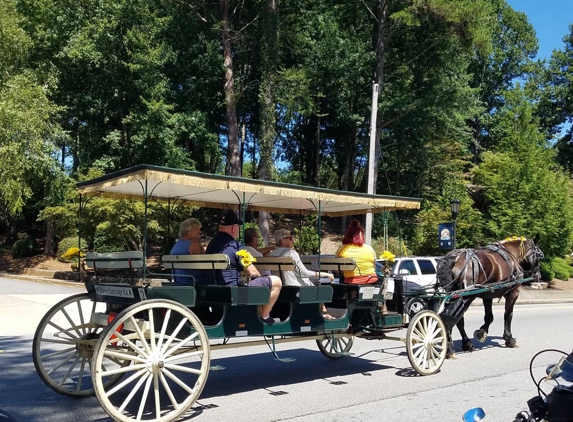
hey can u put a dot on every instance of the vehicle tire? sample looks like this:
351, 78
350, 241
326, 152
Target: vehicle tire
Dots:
335, 347
169, 350
64, 343
415, 305
426, 342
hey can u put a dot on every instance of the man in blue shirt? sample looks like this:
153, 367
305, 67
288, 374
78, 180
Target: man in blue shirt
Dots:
225, 242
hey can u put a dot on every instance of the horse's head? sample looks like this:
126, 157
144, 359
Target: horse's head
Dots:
526, 252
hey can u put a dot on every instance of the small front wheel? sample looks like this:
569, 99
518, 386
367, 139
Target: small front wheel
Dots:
426, 342
169, 353
335, 347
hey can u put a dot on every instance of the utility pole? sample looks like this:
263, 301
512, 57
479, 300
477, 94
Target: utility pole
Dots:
371, 159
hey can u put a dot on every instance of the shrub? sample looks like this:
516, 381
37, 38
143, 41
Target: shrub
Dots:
104, 243
395, 245
71, 242
562, 270
306, 238
547, 272
72, 254
24, 247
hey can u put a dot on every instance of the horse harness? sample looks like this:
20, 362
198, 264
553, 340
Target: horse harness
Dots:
471, 257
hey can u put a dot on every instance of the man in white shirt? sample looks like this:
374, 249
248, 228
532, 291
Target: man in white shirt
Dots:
251, 244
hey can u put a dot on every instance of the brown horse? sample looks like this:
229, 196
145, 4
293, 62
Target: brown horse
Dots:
507, 260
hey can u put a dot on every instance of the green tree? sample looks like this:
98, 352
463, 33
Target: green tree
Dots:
523, 191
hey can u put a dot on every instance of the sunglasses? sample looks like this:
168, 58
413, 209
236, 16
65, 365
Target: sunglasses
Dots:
288, 237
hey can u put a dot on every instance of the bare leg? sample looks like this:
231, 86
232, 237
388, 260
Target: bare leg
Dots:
275, 290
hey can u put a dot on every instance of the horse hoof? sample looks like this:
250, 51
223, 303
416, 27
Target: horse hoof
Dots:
451, 355
512, 344
468, 347
480, 335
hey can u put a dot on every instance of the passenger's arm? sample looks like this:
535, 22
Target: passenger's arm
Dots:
252, 270
305, 272
195, 248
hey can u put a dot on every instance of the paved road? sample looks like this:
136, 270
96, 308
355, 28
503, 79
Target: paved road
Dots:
374, 384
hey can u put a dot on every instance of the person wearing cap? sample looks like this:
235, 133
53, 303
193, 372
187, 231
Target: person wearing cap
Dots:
225, 242
301, 276
188, 244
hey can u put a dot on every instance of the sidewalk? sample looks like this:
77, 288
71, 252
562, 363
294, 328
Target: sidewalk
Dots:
527, 296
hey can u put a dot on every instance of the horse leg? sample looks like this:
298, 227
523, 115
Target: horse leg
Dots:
450, 352
510, 300
467, 345
481, 334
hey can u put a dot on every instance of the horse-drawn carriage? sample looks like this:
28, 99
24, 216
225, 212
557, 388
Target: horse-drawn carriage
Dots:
143, 346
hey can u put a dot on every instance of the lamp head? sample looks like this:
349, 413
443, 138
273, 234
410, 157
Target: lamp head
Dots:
455, 206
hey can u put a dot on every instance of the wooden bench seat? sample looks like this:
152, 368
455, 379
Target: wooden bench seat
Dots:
206, 262
116, 266
328, 264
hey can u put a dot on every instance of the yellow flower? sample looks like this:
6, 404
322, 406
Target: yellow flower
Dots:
246, 258
72, 253
387, 256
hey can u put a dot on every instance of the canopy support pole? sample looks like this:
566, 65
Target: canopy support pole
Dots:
372, 167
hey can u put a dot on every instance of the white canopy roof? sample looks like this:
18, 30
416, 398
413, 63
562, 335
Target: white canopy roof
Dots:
216, 191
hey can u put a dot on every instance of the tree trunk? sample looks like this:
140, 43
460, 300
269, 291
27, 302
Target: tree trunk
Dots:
50, 247
233, 167
269, 57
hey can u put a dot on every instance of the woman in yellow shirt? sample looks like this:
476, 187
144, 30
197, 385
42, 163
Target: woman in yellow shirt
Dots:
353, 247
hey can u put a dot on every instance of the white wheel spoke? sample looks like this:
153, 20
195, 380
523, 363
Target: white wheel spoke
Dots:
59, 352
180, 344
140, 335
124, 356
164, 328
72, 323
71, 368
122, 370
82, 322
144, 397
168, 391
156, 396
183, 368
151, 329
119, 386
172, 336
133, 391
50, 340
184, 355
177, 381
81, 375
62, 330
131, 344
62, 363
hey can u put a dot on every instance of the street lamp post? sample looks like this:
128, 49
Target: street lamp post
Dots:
455, 207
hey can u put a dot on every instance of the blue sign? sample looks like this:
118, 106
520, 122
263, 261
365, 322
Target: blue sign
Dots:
445, 235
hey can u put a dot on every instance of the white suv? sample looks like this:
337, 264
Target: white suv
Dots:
418, 272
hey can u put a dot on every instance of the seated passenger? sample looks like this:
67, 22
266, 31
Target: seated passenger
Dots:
225, 242
353, 246
301, 275
251, 246
188, 244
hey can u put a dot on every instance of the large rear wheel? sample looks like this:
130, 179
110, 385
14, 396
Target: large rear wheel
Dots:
64, 343
426, 342
169, 351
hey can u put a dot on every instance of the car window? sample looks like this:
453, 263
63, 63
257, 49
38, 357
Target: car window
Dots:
408, 264
426, 266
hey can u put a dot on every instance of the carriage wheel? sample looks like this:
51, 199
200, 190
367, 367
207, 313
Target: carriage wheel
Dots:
63, 346
335, 347
169, 350
426, 342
